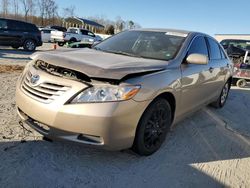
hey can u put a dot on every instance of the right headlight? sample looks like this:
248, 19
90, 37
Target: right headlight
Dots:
106, 94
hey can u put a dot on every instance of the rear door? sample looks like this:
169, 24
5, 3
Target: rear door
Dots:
4, 33
218, 65
196, 89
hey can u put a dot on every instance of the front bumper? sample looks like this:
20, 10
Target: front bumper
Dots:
110, 125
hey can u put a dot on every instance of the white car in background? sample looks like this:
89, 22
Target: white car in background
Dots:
74, 34
46, 34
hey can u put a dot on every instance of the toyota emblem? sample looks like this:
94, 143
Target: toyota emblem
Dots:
34, 79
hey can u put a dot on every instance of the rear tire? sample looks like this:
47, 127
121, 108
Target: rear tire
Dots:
29, 45
72, 40
241, 83
153, 127
61, 43
221, 101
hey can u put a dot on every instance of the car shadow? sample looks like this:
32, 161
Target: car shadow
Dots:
199, 139
18, 54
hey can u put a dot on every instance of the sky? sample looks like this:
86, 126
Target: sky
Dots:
208, 16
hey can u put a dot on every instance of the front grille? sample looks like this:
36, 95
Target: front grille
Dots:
45, 91
61, 71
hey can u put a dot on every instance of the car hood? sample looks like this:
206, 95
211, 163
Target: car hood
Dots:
98, 64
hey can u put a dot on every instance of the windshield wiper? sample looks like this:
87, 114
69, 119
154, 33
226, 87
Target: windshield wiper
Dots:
123, 53
117, 52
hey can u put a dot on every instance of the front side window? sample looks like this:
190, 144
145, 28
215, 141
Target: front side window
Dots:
198, 46
3, 24
146, 44
214, 49
84, 32
72, 31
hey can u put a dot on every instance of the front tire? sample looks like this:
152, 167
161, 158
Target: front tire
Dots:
61, 43
15, 46
221, 101
29, 45
72, 40
153, 127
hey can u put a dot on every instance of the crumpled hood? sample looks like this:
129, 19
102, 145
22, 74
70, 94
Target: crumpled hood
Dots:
98, 64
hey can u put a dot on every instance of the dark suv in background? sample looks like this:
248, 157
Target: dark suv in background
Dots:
19, 34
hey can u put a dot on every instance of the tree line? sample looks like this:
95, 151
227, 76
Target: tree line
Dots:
46, 12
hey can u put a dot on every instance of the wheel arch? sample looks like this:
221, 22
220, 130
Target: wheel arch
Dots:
28, 38
171, 99
73, 39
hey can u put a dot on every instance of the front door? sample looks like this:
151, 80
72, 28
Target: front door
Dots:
196, 89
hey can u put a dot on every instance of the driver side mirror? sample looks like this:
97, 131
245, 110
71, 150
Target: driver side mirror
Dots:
198, 59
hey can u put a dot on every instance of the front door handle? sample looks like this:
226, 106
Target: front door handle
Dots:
211, 69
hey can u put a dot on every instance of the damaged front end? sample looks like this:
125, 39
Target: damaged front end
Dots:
79, 76
95, 90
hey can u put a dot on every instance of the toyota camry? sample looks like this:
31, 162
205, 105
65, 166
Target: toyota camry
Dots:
125, 92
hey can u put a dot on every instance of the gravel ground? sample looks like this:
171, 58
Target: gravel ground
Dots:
211, 148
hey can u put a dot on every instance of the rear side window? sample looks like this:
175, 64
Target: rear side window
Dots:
84, 32
214, 49
21, 26
31, 27
3, 24
198, 46
17, 26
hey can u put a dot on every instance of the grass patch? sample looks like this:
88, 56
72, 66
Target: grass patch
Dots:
11, 68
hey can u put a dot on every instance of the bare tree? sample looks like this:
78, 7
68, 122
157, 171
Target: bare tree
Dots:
5, 7
42, 8
28, 7
48, 10
51, 10
69, 11
16, 7
119, 24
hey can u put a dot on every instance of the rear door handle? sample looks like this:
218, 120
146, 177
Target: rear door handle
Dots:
211, 69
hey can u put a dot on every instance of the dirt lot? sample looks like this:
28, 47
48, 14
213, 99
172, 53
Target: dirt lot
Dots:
211, 148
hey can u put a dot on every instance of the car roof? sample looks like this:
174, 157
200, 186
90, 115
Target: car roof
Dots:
177, 31
17, 21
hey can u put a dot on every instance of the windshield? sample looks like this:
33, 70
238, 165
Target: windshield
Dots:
243, 44
145, 44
